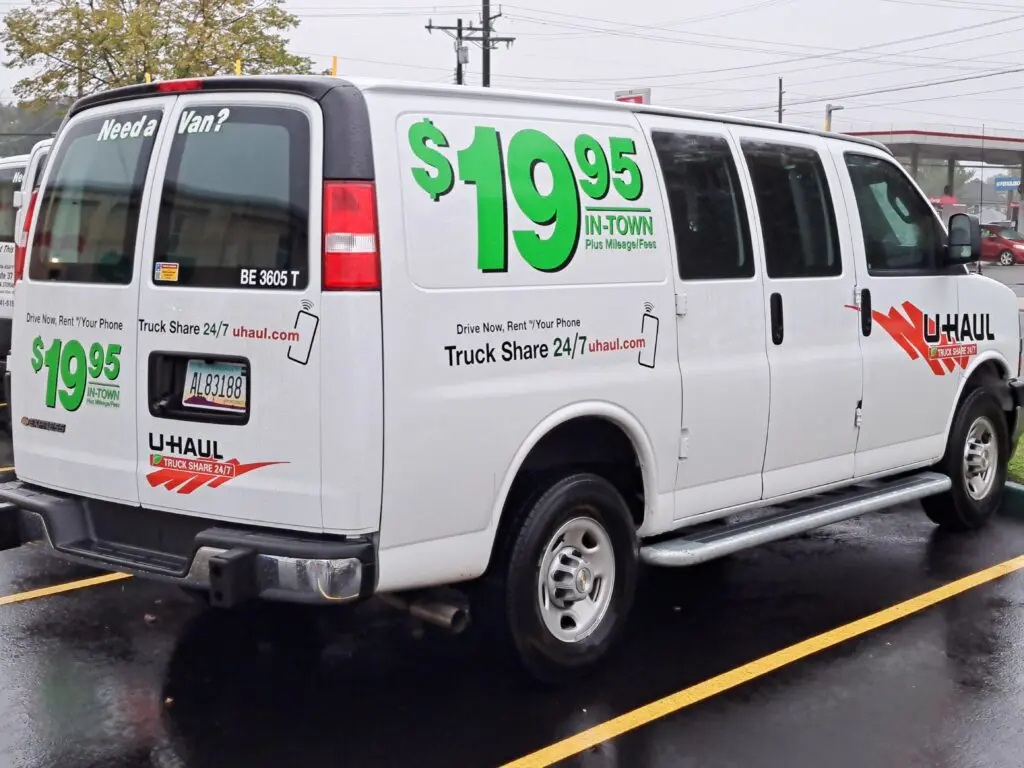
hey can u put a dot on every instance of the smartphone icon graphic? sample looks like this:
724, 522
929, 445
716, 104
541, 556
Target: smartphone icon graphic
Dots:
649, 333
306, 324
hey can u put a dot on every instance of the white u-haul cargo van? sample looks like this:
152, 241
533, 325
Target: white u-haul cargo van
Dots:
315, 340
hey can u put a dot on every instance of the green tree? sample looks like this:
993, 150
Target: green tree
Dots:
932, 179
77, 47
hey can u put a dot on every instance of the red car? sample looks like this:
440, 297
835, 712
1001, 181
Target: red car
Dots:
1002, 244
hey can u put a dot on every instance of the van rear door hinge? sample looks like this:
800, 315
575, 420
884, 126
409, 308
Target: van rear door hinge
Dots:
858, 416
680, 304
684, 443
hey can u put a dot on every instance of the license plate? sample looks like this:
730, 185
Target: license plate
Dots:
215, 386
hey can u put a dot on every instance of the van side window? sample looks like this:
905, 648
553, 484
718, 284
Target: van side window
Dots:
88, 217
795, 207
900, 231
235, 205
709, 217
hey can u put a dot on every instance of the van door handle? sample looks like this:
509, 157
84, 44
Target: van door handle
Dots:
778, 327
865, 311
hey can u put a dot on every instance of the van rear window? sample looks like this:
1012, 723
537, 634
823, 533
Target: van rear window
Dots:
88, 217
235, 204
37, 181
10, 180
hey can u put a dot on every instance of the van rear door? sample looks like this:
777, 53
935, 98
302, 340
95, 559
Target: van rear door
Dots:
228, 370
73, 361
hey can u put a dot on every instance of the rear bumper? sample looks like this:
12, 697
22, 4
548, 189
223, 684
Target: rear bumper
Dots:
234, 563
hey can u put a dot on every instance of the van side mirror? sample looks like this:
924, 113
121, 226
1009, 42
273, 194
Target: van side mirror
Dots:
964, 239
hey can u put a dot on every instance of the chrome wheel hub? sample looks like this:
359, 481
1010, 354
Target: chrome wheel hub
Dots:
981, 458
576, 579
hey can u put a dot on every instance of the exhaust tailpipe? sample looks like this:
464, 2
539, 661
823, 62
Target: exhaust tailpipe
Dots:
435, 610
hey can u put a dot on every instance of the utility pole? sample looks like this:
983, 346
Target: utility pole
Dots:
487, 39
483, 35
485, 20
781, 110
461, 52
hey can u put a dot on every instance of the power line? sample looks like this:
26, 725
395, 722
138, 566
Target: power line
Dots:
894, 89
819, 51
822, 54
676, 22
954, 63
955, 6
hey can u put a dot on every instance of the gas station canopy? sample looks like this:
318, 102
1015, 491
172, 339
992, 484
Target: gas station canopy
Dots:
1002, 148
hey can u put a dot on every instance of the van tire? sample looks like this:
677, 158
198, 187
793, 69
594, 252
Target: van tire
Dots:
969, 505
578, 525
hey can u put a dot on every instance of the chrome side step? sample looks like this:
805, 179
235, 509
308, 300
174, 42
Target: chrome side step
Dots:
792, 518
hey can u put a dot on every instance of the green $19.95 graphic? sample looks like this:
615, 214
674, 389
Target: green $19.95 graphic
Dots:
74, 368
483, 165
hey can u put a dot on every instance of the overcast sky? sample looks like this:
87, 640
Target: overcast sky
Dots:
720, 57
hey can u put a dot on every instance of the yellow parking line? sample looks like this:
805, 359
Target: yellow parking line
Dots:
755, 669
66, 587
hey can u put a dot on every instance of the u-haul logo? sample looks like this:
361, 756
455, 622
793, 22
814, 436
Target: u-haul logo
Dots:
184, 464
942, 341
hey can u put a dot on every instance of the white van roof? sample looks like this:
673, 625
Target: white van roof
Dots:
471, 92
316, 86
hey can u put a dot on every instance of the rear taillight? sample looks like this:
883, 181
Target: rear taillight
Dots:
21, 246
351, 258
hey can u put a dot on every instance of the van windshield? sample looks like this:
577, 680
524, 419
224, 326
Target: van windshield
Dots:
89, 213
10, 180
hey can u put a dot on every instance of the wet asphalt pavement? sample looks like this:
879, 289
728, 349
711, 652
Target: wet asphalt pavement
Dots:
131, 674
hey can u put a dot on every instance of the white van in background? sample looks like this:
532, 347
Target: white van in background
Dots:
24, 198
307, 339
12, 173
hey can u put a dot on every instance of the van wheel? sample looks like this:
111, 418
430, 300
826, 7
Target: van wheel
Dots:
975, 460
563, 580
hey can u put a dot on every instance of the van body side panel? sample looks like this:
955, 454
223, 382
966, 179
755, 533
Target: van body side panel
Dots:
480, 345
351, 411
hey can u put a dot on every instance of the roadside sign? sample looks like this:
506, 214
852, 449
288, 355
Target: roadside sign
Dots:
634, 96
1008, 183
